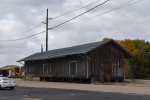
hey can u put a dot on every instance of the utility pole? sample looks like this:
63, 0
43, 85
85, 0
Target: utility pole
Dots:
46, 30
41, 48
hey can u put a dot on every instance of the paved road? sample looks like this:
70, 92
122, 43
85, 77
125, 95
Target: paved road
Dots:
23, 93
137, 87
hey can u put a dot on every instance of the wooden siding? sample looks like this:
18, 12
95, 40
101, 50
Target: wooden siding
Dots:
106, 63
57, 67
102, 60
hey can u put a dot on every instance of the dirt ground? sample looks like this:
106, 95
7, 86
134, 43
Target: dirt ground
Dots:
141, 87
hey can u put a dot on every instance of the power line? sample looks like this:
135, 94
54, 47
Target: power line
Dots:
42, 24
31, 29
59, 24
121, 6
126, 4
73, 10
69, 11
27, 31
24, 37
79, 15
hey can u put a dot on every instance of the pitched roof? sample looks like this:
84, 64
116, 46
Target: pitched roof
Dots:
80, 49
9, 67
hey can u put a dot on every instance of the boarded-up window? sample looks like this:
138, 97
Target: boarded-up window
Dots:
73, 68
45, 69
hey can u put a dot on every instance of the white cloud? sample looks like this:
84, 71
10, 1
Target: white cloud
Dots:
18, 16
10, 28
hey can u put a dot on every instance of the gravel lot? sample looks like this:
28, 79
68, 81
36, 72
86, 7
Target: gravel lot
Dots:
141, 87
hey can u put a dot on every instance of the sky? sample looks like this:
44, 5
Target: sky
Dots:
22, 18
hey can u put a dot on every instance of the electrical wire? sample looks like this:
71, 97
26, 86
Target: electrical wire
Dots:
59, 24
116, 8
24, 37
78, 15
31, 29
126, 4
75, 9
25, 32
121, 6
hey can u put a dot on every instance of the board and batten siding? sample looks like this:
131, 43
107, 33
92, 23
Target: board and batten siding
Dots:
58, 67
107, 62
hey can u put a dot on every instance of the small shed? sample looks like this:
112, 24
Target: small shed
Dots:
99, 61
10, 70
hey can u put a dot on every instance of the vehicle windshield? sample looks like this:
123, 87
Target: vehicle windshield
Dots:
5, 78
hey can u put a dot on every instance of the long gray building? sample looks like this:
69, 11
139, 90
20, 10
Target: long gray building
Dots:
100, 61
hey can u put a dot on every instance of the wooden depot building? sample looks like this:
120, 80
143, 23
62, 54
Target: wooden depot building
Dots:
99, 61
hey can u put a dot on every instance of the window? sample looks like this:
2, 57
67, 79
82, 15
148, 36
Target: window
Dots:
30, 68
5, 79
45, 69
73, 68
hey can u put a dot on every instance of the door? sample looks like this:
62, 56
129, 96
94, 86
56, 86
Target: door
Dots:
73, 68
114, 69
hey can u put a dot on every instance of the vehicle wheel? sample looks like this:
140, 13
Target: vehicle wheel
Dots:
11, 88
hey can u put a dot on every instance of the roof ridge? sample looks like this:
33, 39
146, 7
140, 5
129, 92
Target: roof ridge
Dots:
60, 52
72, 46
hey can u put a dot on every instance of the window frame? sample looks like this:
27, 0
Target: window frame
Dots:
47, 66
75, 68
